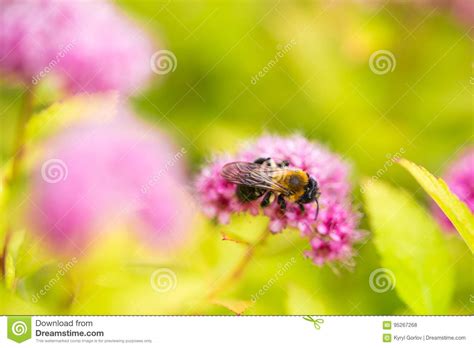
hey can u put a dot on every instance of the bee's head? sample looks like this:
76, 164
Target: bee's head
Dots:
311, 191
311, 194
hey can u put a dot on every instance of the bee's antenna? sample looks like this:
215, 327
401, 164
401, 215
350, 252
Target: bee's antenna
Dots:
317, 208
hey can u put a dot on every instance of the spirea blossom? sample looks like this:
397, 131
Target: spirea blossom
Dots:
463, 10
332, 236
90, 45
96, 177
460, 178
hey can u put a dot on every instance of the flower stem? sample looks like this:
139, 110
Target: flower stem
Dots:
241, 266
18, 149
12, 177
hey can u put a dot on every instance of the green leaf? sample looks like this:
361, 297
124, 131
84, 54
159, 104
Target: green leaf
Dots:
80, 108
12, 304
456, 211
14, 243
59, 117
236, 306
5, 196
9, 271
50, 286
301, 300
412, 247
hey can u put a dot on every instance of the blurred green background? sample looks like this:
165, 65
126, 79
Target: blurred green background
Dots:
321, 87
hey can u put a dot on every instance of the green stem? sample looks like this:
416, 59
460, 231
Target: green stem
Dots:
15, 173
241, 266
19, 145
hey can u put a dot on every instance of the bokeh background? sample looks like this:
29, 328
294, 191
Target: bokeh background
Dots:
245, 68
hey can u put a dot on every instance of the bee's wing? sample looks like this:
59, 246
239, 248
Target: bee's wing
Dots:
252, 174
244, 173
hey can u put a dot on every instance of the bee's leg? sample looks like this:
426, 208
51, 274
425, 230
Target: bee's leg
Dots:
266, 199
282, 202
262, 160
301, 207
283, 164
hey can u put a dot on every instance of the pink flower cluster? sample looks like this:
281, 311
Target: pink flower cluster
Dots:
96, 176
334, 233
460, 178
463, 10
90, 45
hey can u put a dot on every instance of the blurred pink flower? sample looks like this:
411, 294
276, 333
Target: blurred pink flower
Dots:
460, 179
464, 11
336, 226
90, 45
95, 176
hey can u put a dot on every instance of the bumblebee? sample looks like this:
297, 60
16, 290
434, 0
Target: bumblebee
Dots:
264, 177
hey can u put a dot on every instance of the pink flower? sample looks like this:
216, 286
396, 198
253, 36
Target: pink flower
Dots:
119, 173
90, 45
336, 226
217, 196
336, 233
464, 11
460, 179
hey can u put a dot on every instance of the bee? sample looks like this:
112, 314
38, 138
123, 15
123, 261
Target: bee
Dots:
264, 177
